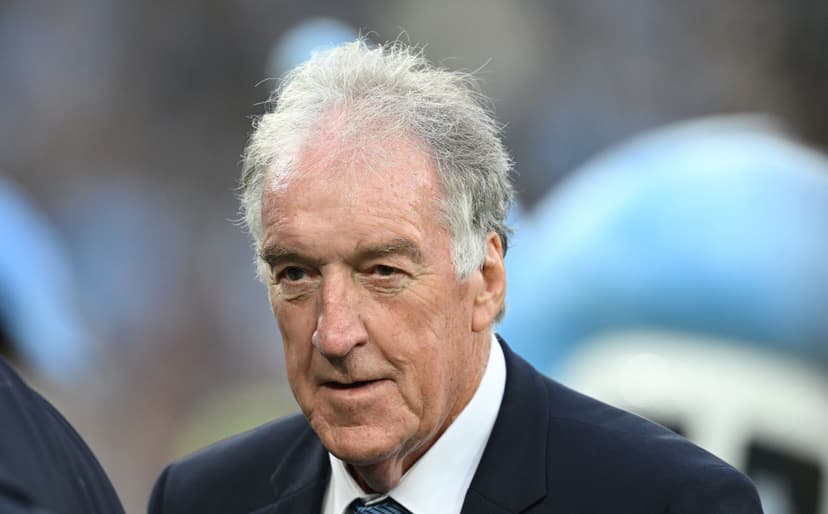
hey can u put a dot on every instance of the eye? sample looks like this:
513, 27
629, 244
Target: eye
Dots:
384, 279
292, 274
384, 270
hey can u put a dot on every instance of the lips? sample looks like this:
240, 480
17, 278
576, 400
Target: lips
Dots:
353, 385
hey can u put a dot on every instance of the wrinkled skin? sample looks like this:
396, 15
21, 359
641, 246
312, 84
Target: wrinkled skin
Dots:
384, 346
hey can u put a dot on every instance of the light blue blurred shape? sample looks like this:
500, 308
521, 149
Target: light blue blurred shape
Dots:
716, 226
37, 303
297, 43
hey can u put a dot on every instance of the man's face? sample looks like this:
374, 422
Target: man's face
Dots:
380, 348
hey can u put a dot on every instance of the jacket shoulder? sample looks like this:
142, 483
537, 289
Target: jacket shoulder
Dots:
636, 461
553, 449
232, 475
43, 459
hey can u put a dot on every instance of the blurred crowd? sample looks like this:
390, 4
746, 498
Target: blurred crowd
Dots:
127, 286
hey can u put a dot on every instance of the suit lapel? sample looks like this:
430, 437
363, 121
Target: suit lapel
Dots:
512, 472
300, 480
306, 501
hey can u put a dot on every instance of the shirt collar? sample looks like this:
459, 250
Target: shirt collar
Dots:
438, 481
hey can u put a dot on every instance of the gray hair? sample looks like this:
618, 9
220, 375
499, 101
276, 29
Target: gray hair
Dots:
394, 87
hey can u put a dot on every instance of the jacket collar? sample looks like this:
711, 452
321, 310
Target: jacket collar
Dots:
512, 472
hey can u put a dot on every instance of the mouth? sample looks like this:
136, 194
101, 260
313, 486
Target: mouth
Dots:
339, 386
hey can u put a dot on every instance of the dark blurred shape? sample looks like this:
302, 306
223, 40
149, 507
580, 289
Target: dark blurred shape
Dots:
803, 63
45, 467
6, 346
799, 476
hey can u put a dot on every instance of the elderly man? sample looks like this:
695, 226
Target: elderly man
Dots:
376, 192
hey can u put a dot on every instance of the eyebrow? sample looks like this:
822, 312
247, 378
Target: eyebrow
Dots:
397, 246
274, 255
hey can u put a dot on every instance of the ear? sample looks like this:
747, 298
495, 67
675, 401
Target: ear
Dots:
490, 297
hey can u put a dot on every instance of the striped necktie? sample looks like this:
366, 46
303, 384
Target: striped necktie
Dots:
386, 506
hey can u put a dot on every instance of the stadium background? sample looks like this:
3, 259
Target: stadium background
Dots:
129, 286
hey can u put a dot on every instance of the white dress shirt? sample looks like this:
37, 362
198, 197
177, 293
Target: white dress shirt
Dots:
438, 481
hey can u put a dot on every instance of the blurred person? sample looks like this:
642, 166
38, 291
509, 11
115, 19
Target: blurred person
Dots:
376, 192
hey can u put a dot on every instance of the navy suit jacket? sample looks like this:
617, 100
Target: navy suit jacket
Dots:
45, 467
551, 450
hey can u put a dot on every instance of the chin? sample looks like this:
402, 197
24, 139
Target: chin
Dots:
361, 446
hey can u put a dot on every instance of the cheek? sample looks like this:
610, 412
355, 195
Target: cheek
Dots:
296, 325
295, 319
448, 359
426, 330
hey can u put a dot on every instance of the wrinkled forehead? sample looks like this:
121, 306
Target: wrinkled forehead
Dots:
369, 150
368, 173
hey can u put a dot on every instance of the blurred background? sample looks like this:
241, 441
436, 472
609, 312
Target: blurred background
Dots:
672, 233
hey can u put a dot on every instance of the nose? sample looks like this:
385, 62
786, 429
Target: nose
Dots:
339, 327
